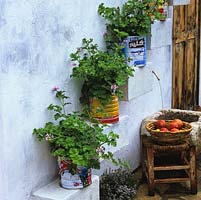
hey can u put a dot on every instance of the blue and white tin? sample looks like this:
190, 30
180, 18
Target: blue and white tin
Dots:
70, 181
135, 50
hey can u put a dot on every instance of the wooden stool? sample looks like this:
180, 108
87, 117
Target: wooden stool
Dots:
168, 158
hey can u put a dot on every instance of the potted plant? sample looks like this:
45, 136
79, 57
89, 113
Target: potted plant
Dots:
129, 25
103, 73
78, 144
163, 9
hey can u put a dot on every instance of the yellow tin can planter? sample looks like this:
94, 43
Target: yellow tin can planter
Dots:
108, 113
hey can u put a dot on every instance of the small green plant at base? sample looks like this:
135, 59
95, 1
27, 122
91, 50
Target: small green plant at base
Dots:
118, 185
73, 138
102, 72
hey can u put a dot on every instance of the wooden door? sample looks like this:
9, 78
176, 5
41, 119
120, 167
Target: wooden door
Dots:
185, 68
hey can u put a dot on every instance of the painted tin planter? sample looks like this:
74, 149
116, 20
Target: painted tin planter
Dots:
79, 180
108, 113
135, 49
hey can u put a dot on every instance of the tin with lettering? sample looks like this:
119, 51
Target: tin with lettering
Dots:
135, 50
78, 180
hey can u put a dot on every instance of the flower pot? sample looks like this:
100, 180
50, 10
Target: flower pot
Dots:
108, 113
135, 49
79, 180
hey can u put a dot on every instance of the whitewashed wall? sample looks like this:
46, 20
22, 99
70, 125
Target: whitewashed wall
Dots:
36, 38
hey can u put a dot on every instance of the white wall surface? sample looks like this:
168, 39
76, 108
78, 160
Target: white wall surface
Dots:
36, 38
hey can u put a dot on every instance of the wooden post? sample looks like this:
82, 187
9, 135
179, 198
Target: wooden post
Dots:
143, 154
150, 160
193, 171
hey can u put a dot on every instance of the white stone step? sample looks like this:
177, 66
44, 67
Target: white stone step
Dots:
121, 129
54, 191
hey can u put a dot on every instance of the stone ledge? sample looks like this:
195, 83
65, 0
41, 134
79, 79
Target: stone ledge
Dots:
118, 128
178, 2
54, 191
161, 34
140, 84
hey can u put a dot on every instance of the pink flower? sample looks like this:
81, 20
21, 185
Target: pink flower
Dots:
100, 149
48, 137
104, 34
55, 88
114, 88
79, 49
73, 64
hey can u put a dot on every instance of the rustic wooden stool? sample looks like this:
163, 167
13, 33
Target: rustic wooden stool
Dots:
168, 164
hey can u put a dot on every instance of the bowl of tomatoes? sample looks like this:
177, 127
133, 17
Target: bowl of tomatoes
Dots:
173, 131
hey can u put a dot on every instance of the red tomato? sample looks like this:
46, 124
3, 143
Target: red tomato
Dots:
174, 130
172, 125
160, 123
164, 129
179, 122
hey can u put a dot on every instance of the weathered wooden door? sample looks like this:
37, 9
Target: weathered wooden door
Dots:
185, 68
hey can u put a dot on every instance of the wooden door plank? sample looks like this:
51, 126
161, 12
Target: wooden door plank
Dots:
190, 74
197, 47
178, 73
185, 71
178, 22
193, 51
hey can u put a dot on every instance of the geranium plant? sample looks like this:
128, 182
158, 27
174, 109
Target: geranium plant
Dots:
102, 72
73, 138
134, 18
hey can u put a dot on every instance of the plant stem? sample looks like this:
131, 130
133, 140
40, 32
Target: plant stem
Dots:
63, 106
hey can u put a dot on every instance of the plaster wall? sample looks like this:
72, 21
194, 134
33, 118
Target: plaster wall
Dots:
36, 38
141, 106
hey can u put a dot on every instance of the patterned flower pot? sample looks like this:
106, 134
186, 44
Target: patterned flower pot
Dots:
79, 180
135, 49
108, 113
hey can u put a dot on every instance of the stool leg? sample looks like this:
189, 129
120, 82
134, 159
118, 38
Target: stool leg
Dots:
183, 156
143, 175
143, 158
150, 160
193, 171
